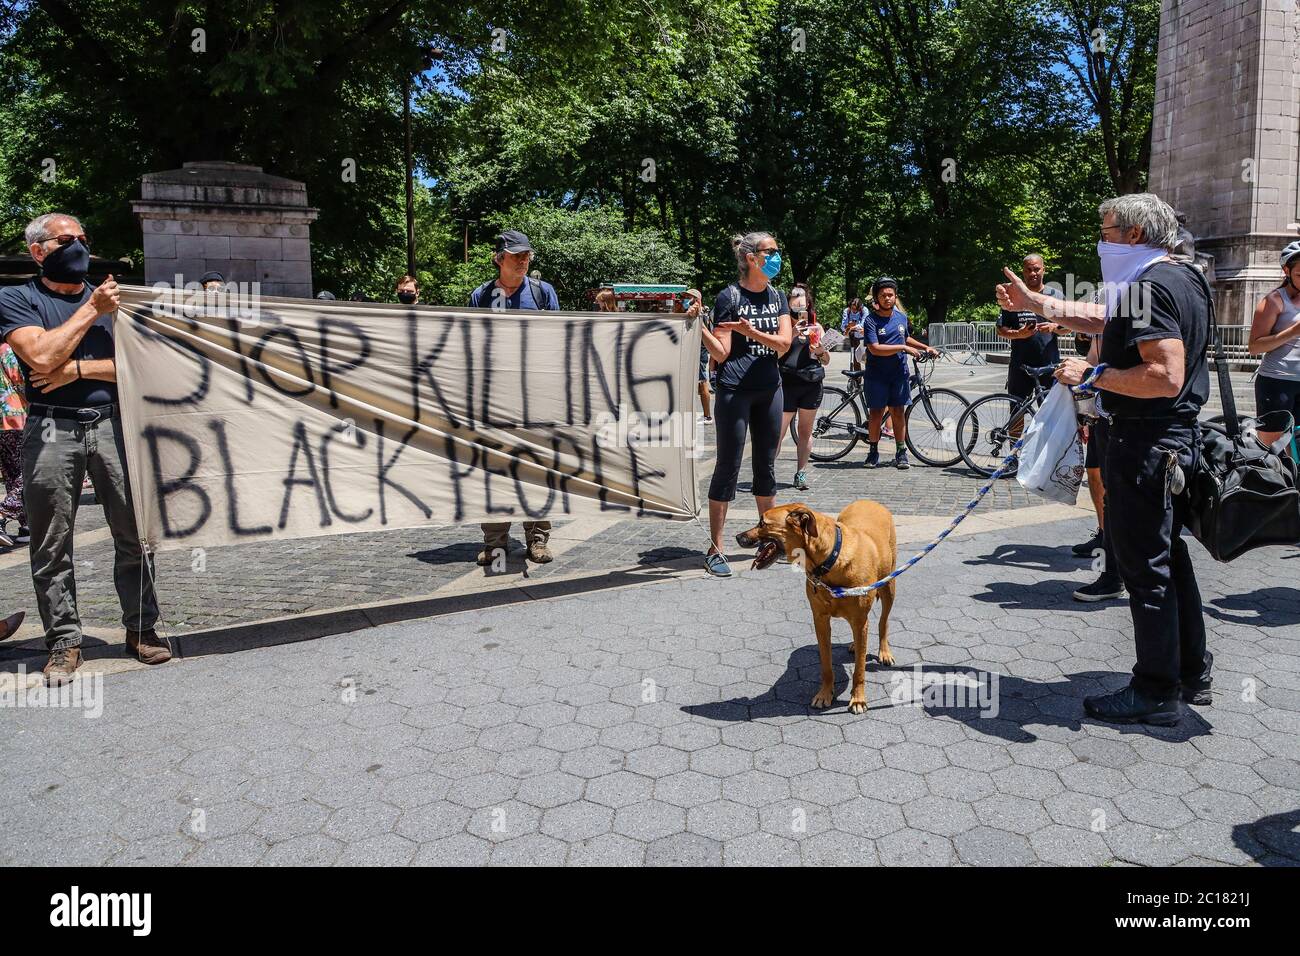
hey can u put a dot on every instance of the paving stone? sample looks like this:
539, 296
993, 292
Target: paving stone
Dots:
461, 724
684, 849
986, 846
915, 848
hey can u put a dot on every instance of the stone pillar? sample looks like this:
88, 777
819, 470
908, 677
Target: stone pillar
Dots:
237, 220
1225, 143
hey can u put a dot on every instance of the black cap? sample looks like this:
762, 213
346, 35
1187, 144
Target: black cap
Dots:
513, 241
212, 277
325, 294
884, 282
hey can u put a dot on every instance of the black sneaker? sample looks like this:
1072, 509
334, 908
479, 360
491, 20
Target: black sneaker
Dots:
1108, 587
873, 458
1198, 692
901, 462
1088, 547
1128, 706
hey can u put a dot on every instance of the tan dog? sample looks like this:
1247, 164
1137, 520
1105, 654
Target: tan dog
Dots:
868, 552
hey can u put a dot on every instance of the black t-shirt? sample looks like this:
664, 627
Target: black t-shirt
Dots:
34, 304
1039, 349
750, 364
799, 357
1169, 301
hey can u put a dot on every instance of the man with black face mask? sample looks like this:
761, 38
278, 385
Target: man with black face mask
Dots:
61, 329
408, 290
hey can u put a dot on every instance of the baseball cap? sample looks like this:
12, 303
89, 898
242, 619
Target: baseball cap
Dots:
513, 241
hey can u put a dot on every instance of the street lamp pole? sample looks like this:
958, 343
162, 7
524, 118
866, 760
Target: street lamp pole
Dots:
410, 176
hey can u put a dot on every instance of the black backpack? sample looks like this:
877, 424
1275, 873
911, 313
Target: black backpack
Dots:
1242, 494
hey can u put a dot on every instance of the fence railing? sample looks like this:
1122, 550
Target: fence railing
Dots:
982, 337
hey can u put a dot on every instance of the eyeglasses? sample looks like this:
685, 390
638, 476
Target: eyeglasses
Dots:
1105, 229
766, 252
66, 238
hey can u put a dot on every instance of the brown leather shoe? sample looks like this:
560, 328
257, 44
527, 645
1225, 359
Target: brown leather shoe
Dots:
62, 664
148, 647
9, 626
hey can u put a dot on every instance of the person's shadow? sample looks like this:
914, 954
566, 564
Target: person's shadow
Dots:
997, 705
1264, 607
1042, 595
1032, 557
1271, 836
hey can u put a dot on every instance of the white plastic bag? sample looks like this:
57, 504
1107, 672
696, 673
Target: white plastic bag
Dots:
1051, 460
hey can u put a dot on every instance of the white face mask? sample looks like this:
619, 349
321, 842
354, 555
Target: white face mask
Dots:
1120, 265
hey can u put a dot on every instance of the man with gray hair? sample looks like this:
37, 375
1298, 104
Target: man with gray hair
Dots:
1152, 379
61, 329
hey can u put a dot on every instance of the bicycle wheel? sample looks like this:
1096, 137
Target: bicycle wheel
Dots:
835, 431
989, 428
932, 427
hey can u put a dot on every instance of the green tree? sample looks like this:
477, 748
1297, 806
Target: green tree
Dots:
577, 251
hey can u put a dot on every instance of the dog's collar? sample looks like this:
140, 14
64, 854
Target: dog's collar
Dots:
824, 568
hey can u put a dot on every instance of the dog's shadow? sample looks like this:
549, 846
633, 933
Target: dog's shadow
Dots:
997, 705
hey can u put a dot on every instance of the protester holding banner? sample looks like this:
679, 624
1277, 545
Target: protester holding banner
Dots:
62, 331
752, 330
693, 301
13, 407
513, 288
407, 290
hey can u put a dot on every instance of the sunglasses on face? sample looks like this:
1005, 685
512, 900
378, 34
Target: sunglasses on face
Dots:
66, 238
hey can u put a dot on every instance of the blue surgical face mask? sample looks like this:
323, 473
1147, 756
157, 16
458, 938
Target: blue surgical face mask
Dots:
772, 265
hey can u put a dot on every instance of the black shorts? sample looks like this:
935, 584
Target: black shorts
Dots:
800, 394
1021, 385
1095, 453
1277, 395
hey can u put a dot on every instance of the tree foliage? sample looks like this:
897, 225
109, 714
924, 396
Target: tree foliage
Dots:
934, 140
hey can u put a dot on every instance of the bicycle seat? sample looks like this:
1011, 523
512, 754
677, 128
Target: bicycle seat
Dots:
854, 374
1039, 372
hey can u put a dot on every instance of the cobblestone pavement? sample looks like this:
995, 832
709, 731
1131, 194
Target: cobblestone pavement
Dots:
668, 724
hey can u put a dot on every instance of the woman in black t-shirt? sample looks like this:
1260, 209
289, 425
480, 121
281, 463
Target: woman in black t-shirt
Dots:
752, 330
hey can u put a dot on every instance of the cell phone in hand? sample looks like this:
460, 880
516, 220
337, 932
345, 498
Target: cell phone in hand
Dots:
1009, 320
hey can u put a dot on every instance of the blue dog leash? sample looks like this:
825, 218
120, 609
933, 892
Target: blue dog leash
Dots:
1084, 388
868, 588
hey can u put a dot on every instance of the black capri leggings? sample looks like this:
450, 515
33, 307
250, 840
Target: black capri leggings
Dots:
734, 413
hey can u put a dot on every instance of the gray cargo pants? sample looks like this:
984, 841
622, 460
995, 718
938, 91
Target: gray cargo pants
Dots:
57, 455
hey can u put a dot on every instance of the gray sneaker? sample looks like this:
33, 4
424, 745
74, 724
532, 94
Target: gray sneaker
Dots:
801, 480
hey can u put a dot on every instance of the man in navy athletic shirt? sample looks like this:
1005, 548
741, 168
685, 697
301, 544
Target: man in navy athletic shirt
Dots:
888, 384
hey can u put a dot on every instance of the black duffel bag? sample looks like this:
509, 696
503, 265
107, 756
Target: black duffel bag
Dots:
1242, 494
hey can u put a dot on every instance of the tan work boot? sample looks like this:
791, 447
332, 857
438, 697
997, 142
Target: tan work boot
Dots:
538, 552
148, 647
63, 663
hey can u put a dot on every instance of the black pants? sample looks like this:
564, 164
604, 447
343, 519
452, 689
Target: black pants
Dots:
1098, 435
1144, 521
735, 413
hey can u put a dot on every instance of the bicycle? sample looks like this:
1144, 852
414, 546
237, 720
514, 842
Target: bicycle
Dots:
992, 424
931, 432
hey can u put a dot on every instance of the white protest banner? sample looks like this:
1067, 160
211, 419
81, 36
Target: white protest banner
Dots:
287, 418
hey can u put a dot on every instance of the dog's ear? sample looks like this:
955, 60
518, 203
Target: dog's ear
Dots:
802, 520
